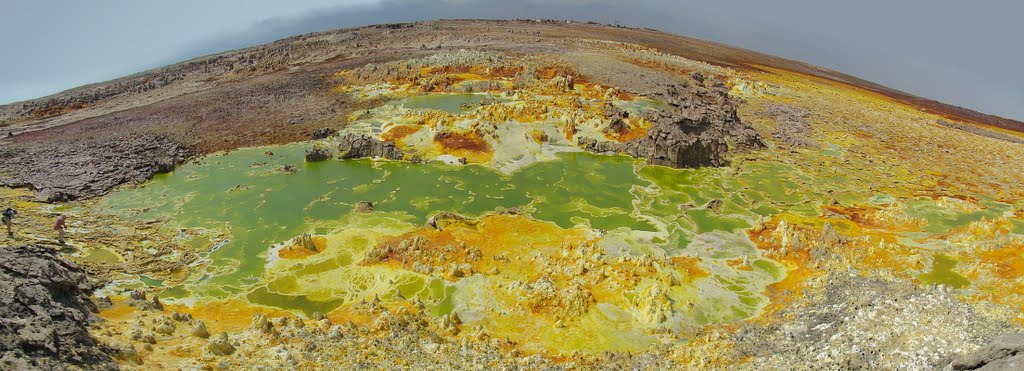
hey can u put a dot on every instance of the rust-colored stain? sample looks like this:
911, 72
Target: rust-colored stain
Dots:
569, 129
632, 129
739, 264
469, 141
484, 244
790, 288
865, 216
227, 315
1008, 261
690, 265
470, 145
351, 313
398, 133
120, 311
798, 264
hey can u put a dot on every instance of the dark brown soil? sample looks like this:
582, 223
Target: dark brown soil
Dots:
83, 142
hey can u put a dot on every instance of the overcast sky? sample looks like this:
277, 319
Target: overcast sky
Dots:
967, 53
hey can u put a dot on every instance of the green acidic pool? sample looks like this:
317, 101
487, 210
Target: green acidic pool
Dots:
241, 204
942, 273
942, 219
246, 197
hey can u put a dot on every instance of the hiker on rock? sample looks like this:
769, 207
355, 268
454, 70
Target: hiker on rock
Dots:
8, 215
59, 226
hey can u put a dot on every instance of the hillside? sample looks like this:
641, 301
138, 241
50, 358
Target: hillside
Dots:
522, 194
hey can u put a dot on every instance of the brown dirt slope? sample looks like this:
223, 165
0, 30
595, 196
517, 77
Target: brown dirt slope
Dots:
282, 91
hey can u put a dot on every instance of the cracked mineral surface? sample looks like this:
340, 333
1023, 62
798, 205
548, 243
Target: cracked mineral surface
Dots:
513, 195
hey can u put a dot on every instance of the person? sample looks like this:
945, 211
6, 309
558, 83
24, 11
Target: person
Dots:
8, 215
59, 226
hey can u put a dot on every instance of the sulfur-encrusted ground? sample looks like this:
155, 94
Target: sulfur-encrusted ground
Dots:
542, 195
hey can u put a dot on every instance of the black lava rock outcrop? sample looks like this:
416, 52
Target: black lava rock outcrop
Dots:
359, 146
697, 128
318, 154
44, 311
88, 168
322, 133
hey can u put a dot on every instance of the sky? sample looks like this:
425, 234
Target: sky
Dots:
966, 53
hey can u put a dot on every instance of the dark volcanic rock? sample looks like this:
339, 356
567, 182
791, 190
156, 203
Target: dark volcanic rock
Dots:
1004, 353
44, 313
791, 126
698, 128
697, 77
87, 167
616, 117
596, 146
359, 146
318, 154
322, 133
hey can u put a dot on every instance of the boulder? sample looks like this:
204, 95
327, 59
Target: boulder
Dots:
360, 146
616, 119
1004, 353
306, 241
364, 206
44, 313
322, 133
697, 128
124, 352
318, 154
220, 345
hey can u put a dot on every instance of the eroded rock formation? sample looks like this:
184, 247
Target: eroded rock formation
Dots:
44, 313
86, 168
359, 146
697, 128
318, 154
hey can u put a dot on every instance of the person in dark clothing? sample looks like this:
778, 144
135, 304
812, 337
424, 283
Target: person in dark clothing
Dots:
8, 219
